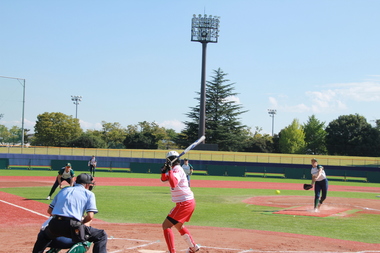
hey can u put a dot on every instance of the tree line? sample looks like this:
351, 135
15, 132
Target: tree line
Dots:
348, 135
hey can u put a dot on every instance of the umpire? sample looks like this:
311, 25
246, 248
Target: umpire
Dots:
67, 209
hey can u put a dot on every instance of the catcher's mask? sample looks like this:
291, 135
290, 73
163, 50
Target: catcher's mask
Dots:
92, 186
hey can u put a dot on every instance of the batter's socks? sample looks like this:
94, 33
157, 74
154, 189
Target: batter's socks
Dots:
169, 238
185, 233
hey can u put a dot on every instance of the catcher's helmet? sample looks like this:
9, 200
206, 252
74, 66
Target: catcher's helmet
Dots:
171, 155
84, 178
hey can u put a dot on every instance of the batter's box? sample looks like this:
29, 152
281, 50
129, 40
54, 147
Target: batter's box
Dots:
120, 245
324, 211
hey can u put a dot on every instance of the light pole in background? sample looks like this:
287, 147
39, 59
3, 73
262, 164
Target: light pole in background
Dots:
271, 113
76, 100
204, 29
22, 82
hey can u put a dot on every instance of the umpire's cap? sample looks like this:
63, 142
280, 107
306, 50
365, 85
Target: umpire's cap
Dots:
84, 178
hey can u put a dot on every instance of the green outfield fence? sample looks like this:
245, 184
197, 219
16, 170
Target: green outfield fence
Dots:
200, 155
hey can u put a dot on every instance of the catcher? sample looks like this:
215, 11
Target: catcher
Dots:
319, 182
65, 243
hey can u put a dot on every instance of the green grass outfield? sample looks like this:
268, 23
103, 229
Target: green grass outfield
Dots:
217, 207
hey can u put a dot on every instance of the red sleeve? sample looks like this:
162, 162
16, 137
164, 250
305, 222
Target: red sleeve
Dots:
164, 177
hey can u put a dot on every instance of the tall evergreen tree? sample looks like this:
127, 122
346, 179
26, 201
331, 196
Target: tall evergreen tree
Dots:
222, 116
315, 136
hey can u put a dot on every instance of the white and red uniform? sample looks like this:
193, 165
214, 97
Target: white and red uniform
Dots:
181, 194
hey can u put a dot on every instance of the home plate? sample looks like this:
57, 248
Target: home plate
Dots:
324, 211
151, 251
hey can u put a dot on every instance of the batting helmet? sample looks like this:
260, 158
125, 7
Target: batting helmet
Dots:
171, 155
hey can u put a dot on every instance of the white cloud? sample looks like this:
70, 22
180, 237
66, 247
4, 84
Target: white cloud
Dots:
320, 101
273, 102
27, 124
364, 91
234, 99
177, 125
92, 126
338, 97
296, 108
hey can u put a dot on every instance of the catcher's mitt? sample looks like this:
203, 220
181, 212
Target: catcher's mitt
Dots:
307, 186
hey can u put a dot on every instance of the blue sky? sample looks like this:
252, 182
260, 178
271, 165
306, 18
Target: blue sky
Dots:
133, 61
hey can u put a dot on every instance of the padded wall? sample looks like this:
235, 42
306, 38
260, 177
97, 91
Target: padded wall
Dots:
4, 163
294, 173
75, 165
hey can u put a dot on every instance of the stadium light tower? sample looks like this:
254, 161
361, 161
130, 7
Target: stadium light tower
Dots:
271, 113
22, 82
204, 29
76, 100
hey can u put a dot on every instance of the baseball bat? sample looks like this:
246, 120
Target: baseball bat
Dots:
193, 145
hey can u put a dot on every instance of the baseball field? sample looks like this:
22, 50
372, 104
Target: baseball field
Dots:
233, 214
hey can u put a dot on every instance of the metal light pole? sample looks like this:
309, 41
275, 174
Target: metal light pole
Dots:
23, 107
204, 29
271, 113
76, 100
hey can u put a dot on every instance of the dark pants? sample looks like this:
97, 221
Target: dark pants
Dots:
318, 187
92, 170
55, 185
58, 228
62, 243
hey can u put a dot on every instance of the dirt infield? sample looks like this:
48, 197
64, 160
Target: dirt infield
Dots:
21, 219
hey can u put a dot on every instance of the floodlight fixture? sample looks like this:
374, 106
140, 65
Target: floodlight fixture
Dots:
76, 100
205, 28
271, 113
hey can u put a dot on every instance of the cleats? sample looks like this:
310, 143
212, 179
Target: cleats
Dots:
48, 198
193, 249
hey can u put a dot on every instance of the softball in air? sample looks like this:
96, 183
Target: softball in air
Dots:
278, 192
